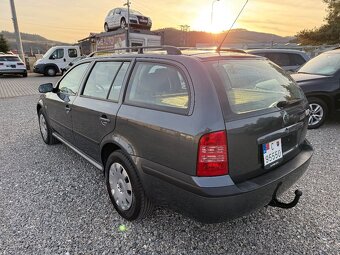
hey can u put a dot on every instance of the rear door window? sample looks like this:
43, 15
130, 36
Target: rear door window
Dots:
253, 85
101, 78
159, 86
118, 82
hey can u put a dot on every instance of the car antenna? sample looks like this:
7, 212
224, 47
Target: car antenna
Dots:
219, 46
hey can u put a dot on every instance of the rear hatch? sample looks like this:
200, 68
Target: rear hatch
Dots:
265, 114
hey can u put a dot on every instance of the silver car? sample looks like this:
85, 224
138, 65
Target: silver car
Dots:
117, 18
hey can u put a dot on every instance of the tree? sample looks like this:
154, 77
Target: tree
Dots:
3, 44
328, 33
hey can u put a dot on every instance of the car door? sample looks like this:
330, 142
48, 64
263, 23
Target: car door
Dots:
110, 18
154, 115
95, 110
59, 104
58, 57
71, 55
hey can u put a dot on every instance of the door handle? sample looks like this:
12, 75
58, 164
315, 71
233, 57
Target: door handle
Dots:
104, 120
64, 59
67, 108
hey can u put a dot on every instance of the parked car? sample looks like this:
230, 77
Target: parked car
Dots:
56, 59
319, 78
289, 60
117, 18
213, 135
11, 64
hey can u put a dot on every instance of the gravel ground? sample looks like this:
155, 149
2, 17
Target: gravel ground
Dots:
53, 202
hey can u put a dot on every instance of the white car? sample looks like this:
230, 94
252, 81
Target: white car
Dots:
11, 64
117, 18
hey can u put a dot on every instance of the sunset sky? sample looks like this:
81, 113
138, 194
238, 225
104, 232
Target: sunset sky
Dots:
71, 20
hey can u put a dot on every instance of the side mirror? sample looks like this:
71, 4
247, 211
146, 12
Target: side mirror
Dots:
52, 57
47, 87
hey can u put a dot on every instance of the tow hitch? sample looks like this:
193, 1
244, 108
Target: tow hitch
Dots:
276, 203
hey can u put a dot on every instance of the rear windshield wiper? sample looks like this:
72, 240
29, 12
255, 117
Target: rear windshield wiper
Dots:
284, 103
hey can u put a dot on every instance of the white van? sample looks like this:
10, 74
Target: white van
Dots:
56, 59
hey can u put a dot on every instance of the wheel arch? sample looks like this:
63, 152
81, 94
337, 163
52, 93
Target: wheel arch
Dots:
53, 66
112, 143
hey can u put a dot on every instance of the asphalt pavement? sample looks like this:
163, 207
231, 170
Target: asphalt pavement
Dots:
54, 202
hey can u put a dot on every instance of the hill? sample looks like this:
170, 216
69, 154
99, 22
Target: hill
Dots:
31, 42
177, 37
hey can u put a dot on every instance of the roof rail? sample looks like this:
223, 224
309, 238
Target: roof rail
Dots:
214, 49
170, 50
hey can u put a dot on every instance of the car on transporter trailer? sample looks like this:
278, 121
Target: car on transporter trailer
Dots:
214, 135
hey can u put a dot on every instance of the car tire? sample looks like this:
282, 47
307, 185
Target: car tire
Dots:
125, 188
50, 71
318, 112
123, 23
45, 129
106, 27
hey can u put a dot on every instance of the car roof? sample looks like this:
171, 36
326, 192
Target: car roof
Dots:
275, 51
193, 54
9, 55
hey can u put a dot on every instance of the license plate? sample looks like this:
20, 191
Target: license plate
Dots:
272, 152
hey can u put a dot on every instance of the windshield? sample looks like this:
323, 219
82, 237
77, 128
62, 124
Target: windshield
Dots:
324, 64
135, 12
48, 53
254, 84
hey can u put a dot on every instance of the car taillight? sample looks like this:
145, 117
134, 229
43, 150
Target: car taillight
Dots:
213, 154
20, 64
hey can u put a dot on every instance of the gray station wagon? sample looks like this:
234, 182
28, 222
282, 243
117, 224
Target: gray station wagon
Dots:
214, 135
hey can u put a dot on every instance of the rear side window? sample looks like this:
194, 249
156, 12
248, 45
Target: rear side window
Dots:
72, 53
281, 59
158, 86
99, 82
253, 85
296, 60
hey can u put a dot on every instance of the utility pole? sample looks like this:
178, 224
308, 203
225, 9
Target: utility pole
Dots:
128, 3
17, 32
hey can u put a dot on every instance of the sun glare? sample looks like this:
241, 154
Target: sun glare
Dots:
216, 19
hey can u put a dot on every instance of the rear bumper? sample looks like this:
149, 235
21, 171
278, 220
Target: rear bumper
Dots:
13, 71
207, 203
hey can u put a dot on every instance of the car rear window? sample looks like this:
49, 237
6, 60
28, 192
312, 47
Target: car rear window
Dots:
10, 58
254, 84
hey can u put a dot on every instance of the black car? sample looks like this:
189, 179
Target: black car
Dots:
213, 135
319, 78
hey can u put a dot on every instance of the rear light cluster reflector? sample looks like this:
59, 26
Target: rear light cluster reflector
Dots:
213, 154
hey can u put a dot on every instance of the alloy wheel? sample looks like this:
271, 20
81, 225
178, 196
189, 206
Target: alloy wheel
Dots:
316, 114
